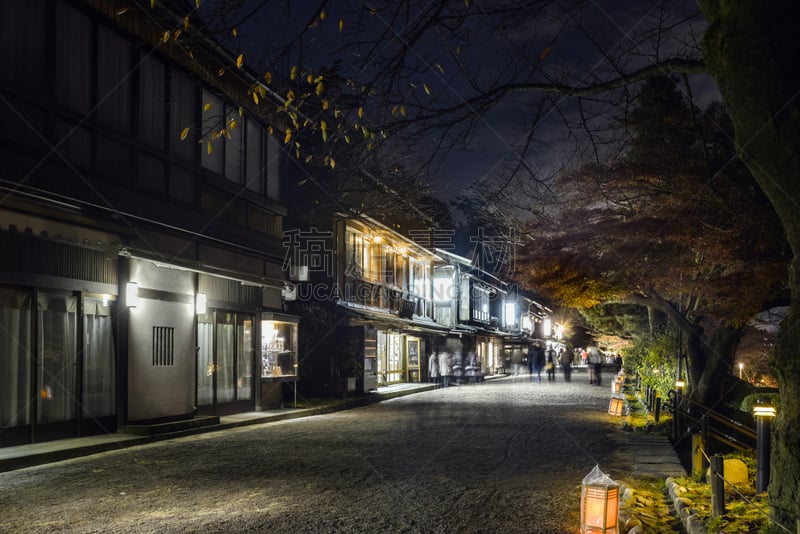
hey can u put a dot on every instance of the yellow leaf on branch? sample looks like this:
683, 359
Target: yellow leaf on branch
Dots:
240, 61
206, 106
184, 133
288, 136
209, 148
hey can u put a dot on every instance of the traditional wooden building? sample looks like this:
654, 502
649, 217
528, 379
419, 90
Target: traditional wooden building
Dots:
140, 225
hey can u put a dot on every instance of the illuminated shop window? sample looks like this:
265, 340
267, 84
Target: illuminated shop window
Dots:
278, 349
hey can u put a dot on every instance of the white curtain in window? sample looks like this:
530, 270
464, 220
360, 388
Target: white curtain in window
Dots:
15, 358
226, 379
244, 357
98, 362
57, 358
205, 363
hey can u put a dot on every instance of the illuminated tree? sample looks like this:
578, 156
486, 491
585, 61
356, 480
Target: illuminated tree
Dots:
676, 224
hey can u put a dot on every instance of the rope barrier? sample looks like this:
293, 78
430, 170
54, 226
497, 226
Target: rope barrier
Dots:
745, 498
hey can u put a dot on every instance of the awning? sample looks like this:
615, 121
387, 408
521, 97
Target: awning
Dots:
371, 314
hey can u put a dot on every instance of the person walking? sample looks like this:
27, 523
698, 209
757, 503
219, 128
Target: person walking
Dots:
457, 367
538, 363
550, 364
531, 356
433, 368
565, 359
595, 365
444, 368
516, 362
472, 367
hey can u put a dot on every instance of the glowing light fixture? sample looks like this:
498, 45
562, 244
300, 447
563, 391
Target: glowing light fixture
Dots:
764, 412
762, 408
616, 385
616, 405
200, 303
547, 328
599, 503
105, 299
132, 294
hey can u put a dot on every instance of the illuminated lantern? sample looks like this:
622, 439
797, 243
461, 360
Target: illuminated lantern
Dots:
616, 386
599, 503
616, 405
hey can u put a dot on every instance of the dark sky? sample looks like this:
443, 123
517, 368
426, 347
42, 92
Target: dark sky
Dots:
573, 41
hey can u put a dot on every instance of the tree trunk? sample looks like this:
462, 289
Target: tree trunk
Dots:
710, 359
751, 50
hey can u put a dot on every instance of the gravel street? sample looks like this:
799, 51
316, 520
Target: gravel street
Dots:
493, 457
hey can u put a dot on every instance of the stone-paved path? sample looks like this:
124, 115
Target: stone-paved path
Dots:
493, 457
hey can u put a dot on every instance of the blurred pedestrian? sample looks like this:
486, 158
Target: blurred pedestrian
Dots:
472, 367
516, 362
595, 365
433, 368
565, 359
445, 370
550, 364
457, 365
538, 363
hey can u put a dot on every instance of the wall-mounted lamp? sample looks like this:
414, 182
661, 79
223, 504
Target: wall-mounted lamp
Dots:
200, 303
105, 299
132, 294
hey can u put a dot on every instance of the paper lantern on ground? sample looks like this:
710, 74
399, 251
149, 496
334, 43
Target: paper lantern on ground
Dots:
616, 405
599, 503
616, 386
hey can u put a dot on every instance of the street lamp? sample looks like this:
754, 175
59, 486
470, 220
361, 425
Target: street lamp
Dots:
764, 412
599, 503
741, 366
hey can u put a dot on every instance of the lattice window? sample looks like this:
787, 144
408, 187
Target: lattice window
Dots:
163, 345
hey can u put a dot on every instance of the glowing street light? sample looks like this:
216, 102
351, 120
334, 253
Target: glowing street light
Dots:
741, 366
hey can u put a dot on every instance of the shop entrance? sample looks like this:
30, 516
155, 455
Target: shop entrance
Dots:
57, 366
390, 358
224, 362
